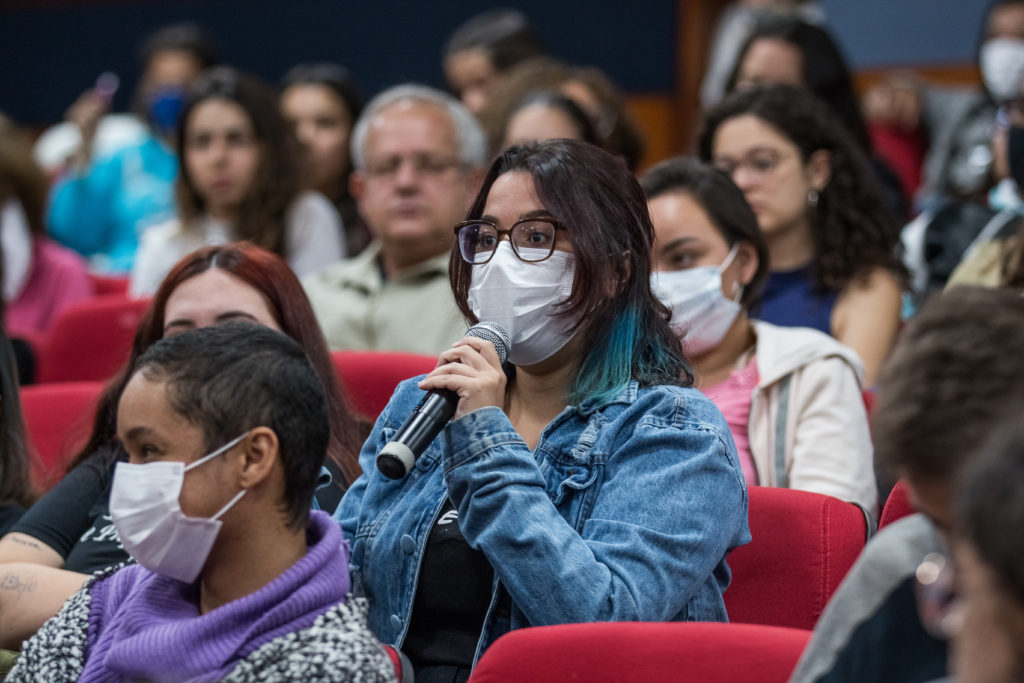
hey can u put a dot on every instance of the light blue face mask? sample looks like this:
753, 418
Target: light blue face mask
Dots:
701, 313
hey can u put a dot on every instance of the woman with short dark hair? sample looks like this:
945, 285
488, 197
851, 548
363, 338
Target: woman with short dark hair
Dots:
783, 390
588, 480
236, 578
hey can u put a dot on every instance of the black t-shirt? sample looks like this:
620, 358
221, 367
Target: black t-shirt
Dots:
451, 600
9, 514
73, 518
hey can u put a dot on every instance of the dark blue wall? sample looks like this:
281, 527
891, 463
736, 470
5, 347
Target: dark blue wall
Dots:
51, 55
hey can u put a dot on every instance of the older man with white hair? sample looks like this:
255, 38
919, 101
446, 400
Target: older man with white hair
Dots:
417, 154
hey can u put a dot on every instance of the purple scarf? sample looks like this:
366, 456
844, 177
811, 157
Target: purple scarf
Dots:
147, 626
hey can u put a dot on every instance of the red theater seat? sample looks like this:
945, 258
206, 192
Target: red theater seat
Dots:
90, 340
58, 418
803, 545
643, 652
370, 377
897, 505
105, 285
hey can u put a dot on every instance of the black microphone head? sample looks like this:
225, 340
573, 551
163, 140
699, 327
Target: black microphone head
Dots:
494, 333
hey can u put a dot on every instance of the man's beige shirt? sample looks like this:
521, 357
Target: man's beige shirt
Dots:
359, 310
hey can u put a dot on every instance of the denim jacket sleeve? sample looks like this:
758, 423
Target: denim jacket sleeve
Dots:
650, 534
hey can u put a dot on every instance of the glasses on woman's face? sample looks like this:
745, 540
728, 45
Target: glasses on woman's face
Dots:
532, 239
936, 597
759, 164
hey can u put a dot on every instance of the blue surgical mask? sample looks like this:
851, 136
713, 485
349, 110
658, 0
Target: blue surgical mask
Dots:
164, 109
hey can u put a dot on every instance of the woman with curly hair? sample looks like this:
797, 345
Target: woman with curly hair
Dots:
831, 240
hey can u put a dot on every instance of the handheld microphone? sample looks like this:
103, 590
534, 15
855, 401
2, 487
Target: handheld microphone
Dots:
432, 413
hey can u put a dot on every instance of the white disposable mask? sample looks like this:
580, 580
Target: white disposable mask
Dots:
147, 514
16, 241
521, 297
1002, 67
701, 314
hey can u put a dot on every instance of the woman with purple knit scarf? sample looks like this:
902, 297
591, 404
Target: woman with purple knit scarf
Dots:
237, 580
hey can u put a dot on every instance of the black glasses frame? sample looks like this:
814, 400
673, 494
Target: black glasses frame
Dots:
554, 223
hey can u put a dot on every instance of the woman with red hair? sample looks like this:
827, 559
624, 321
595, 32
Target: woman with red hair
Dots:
70, 526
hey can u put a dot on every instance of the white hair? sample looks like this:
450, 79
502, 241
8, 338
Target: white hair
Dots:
468, 134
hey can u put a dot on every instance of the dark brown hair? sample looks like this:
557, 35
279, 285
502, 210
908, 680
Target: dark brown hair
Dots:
725, 205
277, 183
952, 376
854, 231
597, 200
20, 176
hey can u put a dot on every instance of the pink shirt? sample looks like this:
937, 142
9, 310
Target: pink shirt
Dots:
732, 396
58, 279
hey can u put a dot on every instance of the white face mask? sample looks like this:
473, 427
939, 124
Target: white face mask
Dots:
1002, 67
146, 512
701, 314
16, 241
521, 297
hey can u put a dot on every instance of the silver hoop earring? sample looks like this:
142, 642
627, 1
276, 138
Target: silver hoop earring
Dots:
812, 198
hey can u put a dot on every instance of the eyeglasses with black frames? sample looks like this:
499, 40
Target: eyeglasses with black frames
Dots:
532, 239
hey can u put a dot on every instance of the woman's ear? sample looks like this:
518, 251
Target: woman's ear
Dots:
746, 257
261, 451
819, 169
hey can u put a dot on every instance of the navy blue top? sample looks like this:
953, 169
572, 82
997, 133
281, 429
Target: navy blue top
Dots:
790, 300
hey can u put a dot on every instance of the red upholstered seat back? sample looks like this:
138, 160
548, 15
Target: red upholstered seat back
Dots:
803, 545
897, 505
643, 652
58, 419
90, 340
105, 285
370, 377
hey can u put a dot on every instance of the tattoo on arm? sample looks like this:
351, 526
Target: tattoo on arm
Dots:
21, 541
15, 583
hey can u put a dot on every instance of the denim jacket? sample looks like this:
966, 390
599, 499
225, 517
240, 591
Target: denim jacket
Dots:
624, 511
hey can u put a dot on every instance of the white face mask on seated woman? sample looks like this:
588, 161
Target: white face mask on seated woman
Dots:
521, 297
701, 313
145, 510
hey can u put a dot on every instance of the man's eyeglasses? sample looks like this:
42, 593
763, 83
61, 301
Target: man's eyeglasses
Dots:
422, 164
532, 239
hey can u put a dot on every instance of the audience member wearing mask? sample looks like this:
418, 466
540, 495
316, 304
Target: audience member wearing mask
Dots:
954, 377
589, 483
417, 154
547, 115
236, 578
40, 278
102, 204
832, 242
993, 258
68, 534
787, 390
483, 49
239, 180
322, 103
985, 615
957, 122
